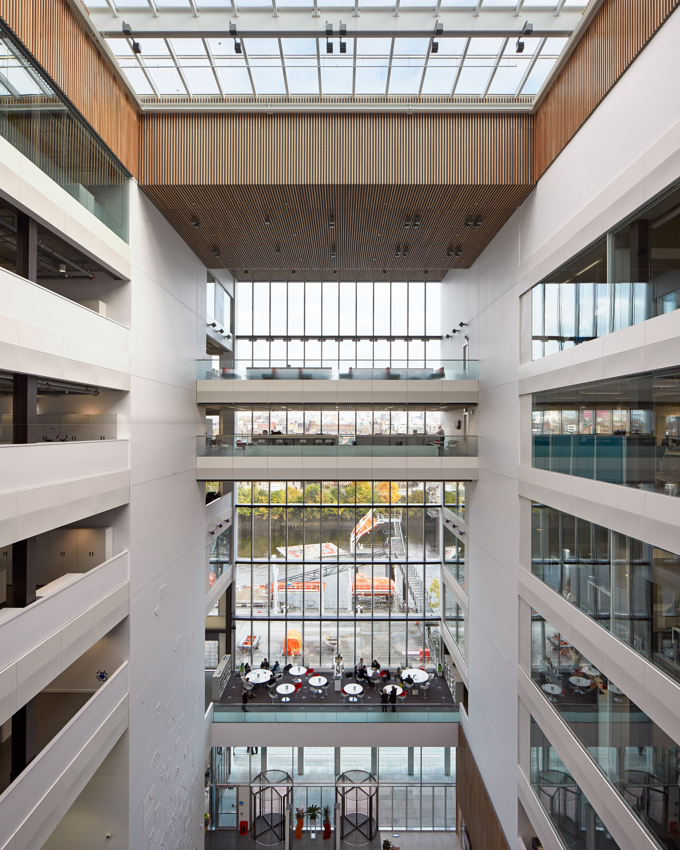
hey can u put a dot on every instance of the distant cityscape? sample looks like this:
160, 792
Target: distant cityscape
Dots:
338, 422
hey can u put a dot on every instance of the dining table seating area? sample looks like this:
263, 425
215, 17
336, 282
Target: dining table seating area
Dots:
295, 685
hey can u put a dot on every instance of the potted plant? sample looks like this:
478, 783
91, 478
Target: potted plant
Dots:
300, 819
387, 844
326, 815
206, 822
313, 812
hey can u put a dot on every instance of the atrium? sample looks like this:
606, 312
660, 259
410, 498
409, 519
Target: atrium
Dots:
339, 424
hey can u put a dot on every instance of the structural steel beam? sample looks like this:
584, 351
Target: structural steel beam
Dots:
259, 23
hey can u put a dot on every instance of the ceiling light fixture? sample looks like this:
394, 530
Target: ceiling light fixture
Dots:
416, 222
331, 222
194, 221
405, 251
469, 222
216, 251
438, 30
329, 34
397, 252
527, 29
407, 224
333, 252
238, 48
479, 221
277, 249
343, 33
267, 221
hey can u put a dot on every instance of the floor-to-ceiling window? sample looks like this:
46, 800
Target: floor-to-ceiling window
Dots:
416, 786
313, 323
348, 566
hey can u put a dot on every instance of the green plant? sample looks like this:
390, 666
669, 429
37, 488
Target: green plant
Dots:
387, 844
313, 812
299, 813
326, 813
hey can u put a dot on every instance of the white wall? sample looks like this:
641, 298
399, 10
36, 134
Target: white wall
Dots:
166, 535
626, 152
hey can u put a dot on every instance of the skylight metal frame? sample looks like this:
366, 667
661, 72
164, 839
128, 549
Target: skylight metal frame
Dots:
557, 18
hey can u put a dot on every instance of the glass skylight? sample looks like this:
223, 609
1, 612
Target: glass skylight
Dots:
279, 66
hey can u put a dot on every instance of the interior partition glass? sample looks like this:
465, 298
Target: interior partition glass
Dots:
628, 587
45, 128
454, 620
620, 431
629, 275
219, 555
639, 759
574, 819
353, 566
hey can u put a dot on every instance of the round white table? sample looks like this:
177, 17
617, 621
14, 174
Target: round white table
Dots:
615, 690
297, 671
285, 691
389, 688
354, 692
318, 681
419, 676
552, 689
258, 677
590, 671
579, 681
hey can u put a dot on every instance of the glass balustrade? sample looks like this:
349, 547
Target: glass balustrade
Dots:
350, 713
334, 445
341, 370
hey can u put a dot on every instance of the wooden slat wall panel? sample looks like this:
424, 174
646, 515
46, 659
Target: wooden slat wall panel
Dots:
335, 149
478, 812
52, 33
618, 32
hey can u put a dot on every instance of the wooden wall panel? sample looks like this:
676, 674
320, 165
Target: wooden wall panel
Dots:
620, 29
60, 43
336, 148
481, 821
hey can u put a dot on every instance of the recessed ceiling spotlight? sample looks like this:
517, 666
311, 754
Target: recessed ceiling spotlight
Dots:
416, 222
469, 222
397, 251
405, 251
331, 223
277, 249
267, 221
479, 221
194, 221
216, 251
407, 224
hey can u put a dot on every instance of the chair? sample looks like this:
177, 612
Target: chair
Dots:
278, 442
318, 442
310, 673
401, 699
328, 442
303, 442
273, 697
424, 689
298, 687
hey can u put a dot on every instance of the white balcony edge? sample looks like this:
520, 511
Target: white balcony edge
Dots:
36, 801
39, 642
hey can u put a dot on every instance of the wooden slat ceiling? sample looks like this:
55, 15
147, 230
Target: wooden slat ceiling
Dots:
267, 182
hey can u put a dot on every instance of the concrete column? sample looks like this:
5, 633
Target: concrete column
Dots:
24, 572
447, 761
263, 759
24, 409
301, 761
374, 761
411, 760
338, 764
27, 247
23, 739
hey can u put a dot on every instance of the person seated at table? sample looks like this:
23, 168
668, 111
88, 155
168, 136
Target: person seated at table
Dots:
362, 672
397, 675
275, 667
374, 678
375, 665
408, 681
247, 668
385, 675
359, 668
264, 665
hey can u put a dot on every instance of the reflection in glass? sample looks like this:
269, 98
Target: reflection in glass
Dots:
620, 430
628, 587
635, 754
574, 819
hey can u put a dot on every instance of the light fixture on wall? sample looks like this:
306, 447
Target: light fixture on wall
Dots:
438, 30
527, 29
462, 325
329, 35
237, 44
343, 33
